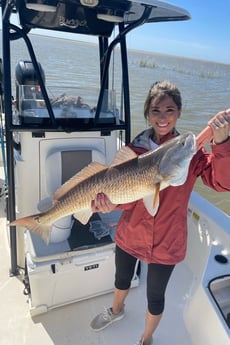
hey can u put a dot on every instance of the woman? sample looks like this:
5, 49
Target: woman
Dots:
160, 241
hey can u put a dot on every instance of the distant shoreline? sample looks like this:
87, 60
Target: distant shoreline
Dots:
145, 52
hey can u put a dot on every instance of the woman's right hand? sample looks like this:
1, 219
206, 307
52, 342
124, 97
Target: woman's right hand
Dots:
102, 204
220, 125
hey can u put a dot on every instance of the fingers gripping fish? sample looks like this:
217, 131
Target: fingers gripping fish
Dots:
127, 179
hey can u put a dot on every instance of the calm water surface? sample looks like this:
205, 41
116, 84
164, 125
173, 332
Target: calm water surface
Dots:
205, 86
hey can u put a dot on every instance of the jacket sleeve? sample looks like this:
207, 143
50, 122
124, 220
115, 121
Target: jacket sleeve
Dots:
215, 167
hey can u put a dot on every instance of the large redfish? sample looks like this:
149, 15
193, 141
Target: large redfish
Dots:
128, 178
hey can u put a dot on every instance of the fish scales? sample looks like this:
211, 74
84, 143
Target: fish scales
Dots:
128, 178
121, 185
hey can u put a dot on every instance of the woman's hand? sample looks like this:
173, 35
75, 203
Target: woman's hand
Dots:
220, 125
102, 204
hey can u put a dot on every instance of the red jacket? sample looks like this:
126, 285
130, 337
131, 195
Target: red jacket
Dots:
163, 238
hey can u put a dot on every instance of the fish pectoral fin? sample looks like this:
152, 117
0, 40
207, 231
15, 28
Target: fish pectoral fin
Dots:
83, 216
152, 201
92, 169
125, 154
149, 201
156, 196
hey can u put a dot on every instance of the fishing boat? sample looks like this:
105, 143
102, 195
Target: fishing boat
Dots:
50, 293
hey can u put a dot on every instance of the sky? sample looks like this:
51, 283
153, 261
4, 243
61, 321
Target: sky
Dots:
205, 36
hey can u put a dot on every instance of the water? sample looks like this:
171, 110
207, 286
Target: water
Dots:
205, 86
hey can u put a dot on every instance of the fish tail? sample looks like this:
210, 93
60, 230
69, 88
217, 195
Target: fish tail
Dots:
34, 224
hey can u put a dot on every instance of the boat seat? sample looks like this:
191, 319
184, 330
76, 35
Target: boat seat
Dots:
63, 159
62, 165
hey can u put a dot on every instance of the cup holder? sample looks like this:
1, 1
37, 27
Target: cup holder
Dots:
221, 259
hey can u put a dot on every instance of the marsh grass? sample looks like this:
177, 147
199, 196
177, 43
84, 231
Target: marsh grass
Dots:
177, 69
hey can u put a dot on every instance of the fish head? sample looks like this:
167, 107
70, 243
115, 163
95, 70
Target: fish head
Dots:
176, 159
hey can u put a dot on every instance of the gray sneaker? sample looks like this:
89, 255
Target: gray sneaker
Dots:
141, 342
105, 319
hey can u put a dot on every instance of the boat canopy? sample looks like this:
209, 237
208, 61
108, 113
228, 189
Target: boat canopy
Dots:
92, 17
36, 110
98, 18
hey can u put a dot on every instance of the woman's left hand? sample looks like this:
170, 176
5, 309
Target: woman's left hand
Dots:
102, 204
220, 125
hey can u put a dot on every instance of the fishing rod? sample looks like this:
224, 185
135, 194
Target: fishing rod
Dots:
204, 136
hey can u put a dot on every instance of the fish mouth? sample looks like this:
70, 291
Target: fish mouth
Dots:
190, 140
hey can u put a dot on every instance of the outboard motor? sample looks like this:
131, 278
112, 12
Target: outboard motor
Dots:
28, 90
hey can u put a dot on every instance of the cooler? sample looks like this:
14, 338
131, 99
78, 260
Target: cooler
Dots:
81, 267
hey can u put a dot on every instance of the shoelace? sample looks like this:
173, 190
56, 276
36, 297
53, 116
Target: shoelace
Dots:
139, 343
107, 314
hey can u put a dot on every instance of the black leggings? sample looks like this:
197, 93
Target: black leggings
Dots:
157, 279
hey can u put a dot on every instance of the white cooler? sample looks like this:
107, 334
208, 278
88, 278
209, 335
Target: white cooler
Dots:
61, 273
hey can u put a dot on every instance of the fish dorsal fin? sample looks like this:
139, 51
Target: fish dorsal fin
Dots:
92, 169
125, 154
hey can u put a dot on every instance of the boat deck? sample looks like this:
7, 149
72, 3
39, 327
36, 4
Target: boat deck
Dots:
69, 325
188, 302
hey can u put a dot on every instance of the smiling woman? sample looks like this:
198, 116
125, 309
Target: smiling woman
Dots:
161, 240
44, 151
162, 108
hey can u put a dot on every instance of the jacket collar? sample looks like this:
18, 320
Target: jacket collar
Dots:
142, 139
